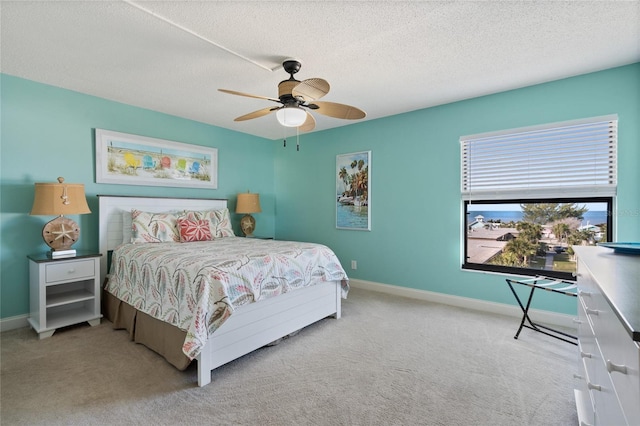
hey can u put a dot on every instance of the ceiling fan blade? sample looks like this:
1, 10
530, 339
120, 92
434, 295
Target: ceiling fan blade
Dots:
256, 114
311, 89
248, 95
335, 110
309, 124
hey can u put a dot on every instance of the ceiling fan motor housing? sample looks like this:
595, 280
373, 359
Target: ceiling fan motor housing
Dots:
285, 88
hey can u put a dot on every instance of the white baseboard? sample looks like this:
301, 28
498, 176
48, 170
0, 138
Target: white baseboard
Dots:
543, 317
11, 323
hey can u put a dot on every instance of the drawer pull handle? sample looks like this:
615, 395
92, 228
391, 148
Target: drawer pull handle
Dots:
611, 367
584, 293
577, 321
71, 271
577, 376
594, 387
592, 311
585, 354
584, 423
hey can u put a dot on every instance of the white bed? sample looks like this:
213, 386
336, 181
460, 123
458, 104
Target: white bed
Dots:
251, 326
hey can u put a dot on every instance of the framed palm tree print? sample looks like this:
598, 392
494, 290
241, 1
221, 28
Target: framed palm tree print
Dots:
353, 191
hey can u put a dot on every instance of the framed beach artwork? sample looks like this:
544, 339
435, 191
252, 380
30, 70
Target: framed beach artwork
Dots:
353, 191
139, 160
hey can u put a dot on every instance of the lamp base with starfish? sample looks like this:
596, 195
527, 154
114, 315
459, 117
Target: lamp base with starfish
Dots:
248, 225
60, 234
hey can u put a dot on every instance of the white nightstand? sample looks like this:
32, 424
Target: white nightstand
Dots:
63, 291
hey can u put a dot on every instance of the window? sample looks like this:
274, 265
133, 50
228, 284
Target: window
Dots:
530, 194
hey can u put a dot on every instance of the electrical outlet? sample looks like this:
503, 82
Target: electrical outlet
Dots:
354, 264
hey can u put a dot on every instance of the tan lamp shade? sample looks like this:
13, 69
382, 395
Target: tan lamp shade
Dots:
248, 203
55, 199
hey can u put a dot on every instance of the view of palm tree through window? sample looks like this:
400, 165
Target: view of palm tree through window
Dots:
533, 238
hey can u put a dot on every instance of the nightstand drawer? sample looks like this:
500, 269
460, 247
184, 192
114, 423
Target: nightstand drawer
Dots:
63, 271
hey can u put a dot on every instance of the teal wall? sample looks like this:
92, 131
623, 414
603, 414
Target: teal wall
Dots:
49, 132
415, 239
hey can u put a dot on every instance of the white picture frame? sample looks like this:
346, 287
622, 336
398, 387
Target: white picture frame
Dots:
127, 159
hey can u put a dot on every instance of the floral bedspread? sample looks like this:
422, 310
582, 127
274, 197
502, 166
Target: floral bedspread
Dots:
196, 286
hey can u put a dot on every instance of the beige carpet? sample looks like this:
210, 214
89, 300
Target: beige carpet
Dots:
387, 361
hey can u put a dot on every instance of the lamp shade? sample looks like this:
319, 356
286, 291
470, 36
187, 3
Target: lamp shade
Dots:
55, 199
248, 203
291, 116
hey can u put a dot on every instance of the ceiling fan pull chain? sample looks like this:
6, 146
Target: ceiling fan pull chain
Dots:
298, 139
284, 136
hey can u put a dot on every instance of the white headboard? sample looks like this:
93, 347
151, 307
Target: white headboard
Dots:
110, 230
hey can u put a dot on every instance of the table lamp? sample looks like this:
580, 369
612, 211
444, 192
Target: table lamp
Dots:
248, 203
59, 199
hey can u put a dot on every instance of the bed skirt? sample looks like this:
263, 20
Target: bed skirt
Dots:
162, 338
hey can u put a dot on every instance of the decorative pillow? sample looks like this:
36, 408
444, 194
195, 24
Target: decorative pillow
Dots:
224, 223
154, 227
194, 230
220, 223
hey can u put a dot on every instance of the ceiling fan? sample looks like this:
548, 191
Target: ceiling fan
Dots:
296, 98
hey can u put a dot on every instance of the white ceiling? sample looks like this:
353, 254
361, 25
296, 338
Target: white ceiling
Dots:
384, 57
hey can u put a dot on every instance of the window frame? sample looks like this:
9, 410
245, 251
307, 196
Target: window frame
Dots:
476, 189
513, 270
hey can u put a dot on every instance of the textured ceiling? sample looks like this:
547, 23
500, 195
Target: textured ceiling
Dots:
383, 57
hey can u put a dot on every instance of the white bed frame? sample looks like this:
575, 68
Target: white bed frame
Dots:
251, 326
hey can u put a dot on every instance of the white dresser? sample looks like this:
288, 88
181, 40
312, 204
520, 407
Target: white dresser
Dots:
607, 386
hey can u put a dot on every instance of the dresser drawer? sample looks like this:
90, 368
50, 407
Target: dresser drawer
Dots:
585, 324
594, 304
587, 347
65, 271
621, 357
608, 409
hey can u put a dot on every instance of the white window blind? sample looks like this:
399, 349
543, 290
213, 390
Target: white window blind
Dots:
566, 159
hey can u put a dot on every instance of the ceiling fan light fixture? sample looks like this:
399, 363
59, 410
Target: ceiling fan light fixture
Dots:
293, 116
